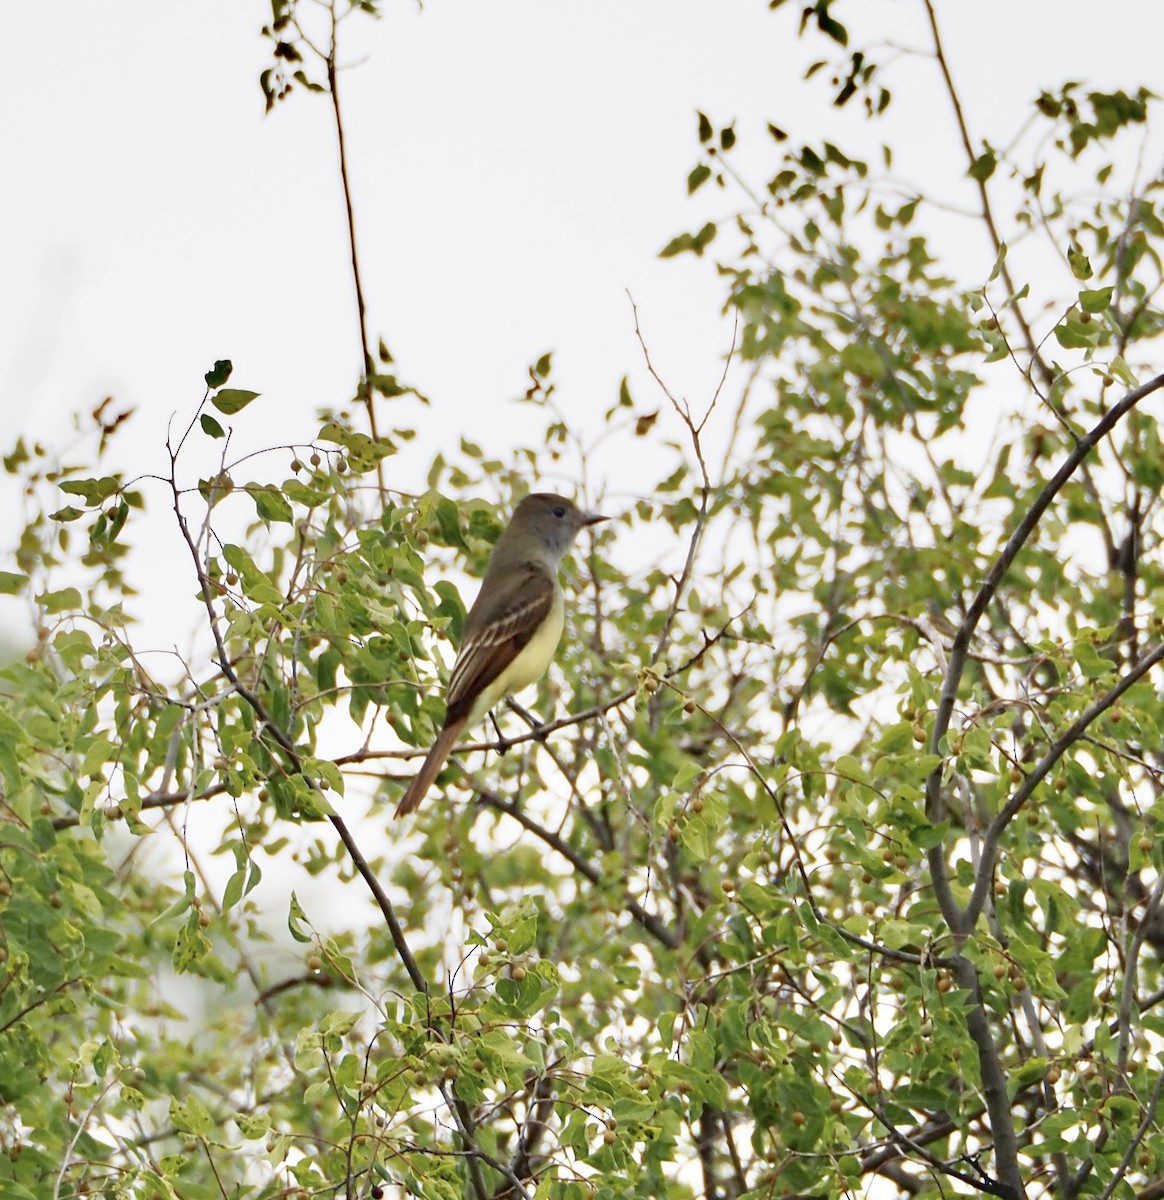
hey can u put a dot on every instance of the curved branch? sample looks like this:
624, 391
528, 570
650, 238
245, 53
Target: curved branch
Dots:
1060, 746
959, 650
961, 921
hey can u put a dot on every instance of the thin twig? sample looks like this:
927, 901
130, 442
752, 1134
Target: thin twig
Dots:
695, 431
652, 924
288, 747
983, 192
1129, 1153
366, 393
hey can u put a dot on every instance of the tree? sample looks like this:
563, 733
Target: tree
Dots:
840, 869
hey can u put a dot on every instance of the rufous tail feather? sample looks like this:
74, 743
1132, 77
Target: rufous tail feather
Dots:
430, 768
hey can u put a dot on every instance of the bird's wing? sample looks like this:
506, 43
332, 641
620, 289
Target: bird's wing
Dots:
493, 643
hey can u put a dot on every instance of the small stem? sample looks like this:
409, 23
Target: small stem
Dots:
365, 393
984, 196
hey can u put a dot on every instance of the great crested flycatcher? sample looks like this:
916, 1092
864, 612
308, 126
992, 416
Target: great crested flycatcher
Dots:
512, 630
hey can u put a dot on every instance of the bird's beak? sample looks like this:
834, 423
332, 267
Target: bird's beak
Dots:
593, 518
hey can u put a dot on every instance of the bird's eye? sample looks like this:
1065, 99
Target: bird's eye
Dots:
560, 510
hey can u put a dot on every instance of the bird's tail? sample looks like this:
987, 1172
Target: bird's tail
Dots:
430, 768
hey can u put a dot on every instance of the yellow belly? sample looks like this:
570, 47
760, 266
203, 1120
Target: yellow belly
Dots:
529, 666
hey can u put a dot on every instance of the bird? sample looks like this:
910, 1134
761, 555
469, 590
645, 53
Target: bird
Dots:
513, 628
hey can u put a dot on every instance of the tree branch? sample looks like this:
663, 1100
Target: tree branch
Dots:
959, 649
652, 924
984, 195
287, 746
366, 392
1072, 734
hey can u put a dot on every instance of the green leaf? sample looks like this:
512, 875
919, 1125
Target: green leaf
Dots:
999, 260
626, 1110
190, 1115
1027, 1073
19, 456
1080, 264
210, 426
895, 738
523, 933
1120, 369
219, 373
829, 25
694, 242
339, 1023
387, 386
666, 1027
698, 177
252, 1125
1095, 301
983, 166
1071, 334
95, 491
232, 400
257, 585
298, 923
848, 767
65, 600
11, 583
233, 892
1091, 663
271, 504
10, 761
191, 945
449, 520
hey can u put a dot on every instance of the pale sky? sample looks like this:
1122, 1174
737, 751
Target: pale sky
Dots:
516, 166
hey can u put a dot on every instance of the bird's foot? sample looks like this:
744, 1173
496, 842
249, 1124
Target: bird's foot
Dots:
503, 743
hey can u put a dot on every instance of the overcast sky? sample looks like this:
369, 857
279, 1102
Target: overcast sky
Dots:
516, 167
